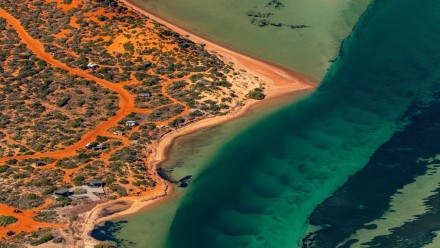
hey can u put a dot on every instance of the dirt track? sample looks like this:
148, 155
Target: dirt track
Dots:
281, 82
126, 106
25, 222
126, 100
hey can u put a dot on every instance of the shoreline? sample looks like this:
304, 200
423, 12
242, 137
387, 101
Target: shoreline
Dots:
254, 65
164, 189
279, 82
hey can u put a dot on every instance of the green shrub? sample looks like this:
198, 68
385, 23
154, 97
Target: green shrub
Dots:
129, 47
256, 94
12, 162
46, 216
7, 220
176, 122
123, 181
31, 196
62, 102
101, 139
48, 191
102, 18
222, 83
63, 201
47, 237
3, 168
78, 180
134, 136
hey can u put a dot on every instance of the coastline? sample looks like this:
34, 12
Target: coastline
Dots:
279, 82
264, 69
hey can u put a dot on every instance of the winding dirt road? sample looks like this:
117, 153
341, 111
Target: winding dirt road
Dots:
126, 103
282, 82
126, 106
126, 100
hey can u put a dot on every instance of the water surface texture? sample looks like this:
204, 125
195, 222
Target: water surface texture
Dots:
263, 185
394, 200
188, 156
299, 34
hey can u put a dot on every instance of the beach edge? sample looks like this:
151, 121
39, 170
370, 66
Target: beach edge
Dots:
280, 82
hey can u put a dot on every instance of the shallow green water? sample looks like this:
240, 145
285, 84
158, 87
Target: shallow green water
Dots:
188, 156
227, 22
263, 185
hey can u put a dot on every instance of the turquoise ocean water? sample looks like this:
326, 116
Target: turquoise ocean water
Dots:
227, 22
262, 186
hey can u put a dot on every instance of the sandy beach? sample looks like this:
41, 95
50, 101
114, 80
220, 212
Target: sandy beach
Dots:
279, 82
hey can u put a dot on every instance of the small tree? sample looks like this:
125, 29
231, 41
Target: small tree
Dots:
256, 94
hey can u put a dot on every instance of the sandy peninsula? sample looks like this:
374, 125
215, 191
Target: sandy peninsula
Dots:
279, 82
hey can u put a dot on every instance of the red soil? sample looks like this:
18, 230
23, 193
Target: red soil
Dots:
25, 222
126, 106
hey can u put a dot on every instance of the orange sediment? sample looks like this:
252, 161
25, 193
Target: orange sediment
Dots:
279, 82
25, 221
126, 106
7, 138
126, 103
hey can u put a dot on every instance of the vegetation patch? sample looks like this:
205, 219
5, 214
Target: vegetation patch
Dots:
171, 80
44, 239
256, 94
7, 220
46, 216
164, 113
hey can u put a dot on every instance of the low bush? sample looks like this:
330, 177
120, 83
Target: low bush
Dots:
47, 237
7, 220
256, 94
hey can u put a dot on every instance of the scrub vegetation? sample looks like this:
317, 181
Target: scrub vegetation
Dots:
87, 89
